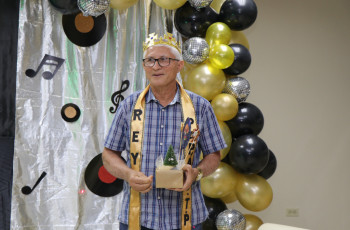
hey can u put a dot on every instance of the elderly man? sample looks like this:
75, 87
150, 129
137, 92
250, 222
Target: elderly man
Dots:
145, 125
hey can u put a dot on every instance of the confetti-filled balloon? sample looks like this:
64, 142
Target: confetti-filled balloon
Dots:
93, 8
195, 50
230, 220
200, 3
238, 87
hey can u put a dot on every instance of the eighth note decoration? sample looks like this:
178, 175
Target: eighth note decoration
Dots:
26, 190
47, 60
117, 97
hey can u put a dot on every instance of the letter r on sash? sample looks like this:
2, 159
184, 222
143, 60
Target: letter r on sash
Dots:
137, 113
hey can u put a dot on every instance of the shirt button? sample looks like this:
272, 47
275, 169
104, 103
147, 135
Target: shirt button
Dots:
162, 126
158, 197
161, 143
162, 110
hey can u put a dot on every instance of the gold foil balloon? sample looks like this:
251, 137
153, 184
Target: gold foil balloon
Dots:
221, 182
206, 81
239, 37
170, 4
216, 5
221, 56
230, 198
254, 192
225, 106
122, 4
186, 70
228, 138
218, 33
252, 222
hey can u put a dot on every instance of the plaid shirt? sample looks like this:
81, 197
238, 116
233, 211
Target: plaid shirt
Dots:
161, 208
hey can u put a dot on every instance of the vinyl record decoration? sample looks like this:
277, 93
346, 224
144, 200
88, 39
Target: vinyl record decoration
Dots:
84, 30
99, 181
70, 112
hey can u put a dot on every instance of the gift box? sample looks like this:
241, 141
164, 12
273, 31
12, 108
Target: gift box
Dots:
169, 178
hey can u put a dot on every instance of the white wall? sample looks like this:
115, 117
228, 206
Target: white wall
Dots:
300, 80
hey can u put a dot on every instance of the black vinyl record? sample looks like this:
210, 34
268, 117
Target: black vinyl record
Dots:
99, 181
84, 31
70, 112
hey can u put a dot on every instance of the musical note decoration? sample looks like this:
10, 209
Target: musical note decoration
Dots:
47, 60
117, 96
26, 190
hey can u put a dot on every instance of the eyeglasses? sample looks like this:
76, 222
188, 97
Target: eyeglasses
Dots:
163, 61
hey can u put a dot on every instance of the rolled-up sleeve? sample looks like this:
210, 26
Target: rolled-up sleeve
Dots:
211, 138
116, 138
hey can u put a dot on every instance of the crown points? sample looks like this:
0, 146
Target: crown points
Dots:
167, 39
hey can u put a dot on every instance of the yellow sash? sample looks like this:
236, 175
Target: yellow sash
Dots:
136, 140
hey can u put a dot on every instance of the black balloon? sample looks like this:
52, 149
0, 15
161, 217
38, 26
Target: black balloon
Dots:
241, 61
190, 22
238, 14
249, 154
65, 6
248, 120
215, 207
209, 224
270, 168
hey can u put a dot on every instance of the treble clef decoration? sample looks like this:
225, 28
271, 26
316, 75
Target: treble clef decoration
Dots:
117, 97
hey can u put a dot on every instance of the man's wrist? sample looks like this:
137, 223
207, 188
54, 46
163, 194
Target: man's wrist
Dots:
200, 174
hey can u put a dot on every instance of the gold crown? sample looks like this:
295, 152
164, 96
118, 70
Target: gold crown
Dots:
167, 39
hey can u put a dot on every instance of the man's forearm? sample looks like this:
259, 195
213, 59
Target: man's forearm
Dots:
115, 165
209, 163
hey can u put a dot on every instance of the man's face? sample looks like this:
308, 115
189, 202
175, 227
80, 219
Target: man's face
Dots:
157, 75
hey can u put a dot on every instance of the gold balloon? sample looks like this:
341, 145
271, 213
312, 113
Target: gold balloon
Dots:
221, 56
240, 38
170, 4
186, 70
122, 4
230, 198
227, 137
218, 33
225, 106
221, 182
254, 192
206, 81
216, 5
252, 222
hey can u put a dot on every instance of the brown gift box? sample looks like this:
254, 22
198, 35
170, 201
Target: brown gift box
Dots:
167, 178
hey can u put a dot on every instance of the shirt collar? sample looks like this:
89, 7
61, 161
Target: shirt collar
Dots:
150, 96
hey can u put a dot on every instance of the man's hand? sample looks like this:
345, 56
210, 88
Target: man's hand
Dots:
140, 182
189, 177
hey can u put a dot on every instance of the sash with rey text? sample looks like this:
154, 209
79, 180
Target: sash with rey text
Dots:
136, 140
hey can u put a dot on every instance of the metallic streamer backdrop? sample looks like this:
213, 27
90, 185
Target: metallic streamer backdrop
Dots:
87, 78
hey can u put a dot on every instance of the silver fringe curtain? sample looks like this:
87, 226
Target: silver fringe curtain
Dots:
59, 151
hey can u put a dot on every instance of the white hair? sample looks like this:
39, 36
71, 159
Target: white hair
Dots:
173, 50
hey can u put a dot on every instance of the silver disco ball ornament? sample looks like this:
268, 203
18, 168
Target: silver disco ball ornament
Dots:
200, 3
238, 87
230, 220
93, 7
195, 50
